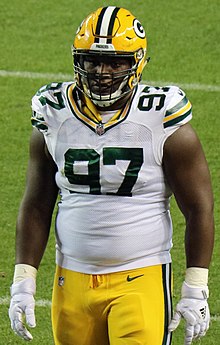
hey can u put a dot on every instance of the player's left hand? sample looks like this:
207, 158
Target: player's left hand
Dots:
194, 309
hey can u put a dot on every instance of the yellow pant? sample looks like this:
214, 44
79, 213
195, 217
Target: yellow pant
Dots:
124, 308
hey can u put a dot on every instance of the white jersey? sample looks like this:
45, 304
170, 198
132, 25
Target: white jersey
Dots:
114, 209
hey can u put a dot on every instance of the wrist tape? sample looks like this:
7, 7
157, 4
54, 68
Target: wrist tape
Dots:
197, 276
23, 271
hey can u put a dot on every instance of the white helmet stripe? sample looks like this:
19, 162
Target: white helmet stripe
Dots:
105, 24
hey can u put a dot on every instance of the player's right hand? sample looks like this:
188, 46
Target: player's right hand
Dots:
21, 310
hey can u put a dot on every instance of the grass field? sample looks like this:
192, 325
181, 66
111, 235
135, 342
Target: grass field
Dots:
36, 37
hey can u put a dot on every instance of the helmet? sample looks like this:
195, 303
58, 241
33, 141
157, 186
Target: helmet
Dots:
109, 32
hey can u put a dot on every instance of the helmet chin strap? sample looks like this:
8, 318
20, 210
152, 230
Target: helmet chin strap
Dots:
105, 101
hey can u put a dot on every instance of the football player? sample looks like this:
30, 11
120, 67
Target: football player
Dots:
116, 150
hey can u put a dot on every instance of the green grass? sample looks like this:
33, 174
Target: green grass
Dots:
36, 36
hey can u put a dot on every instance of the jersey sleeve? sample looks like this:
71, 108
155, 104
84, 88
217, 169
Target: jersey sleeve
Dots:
38, 121
178, 111
39, 117
47, 106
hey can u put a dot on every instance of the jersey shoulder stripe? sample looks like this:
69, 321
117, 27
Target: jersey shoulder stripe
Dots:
177, 107
38, 121
177, 113
177, 119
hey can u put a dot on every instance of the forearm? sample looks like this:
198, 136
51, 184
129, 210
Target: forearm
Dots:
199, 239
32, 234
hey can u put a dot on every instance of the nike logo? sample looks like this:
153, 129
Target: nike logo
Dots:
129, 279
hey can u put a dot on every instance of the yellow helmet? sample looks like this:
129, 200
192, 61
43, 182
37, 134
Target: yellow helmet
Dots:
114, 32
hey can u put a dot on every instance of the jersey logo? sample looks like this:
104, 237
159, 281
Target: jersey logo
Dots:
61, 281
129, 279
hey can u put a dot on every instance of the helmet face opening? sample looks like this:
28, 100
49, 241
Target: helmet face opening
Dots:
104, 78
109, 54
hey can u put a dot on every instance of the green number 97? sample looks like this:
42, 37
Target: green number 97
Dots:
110, 157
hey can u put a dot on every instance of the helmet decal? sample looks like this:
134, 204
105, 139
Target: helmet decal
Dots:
138, 28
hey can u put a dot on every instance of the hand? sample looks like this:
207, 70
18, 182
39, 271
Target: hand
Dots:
22, 305
194, 309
